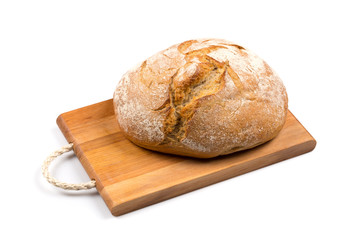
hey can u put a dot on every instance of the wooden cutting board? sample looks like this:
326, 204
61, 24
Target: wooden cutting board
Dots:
129, 177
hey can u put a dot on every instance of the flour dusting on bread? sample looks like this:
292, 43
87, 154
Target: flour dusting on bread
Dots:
130, 110
201, 98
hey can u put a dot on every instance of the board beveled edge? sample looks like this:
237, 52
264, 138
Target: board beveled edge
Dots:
206, 180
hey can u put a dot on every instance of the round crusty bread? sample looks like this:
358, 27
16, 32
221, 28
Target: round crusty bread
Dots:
201, 98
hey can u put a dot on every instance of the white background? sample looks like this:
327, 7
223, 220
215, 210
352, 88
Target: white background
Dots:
56, 56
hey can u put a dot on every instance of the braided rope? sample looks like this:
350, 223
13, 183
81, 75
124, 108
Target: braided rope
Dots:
63, 185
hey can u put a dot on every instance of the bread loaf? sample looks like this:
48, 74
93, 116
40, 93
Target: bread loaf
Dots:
201, 98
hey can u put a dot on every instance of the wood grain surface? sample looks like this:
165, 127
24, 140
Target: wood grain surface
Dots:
129, 177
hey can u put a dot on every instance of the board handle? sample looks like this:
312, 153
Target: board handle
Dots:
55, 182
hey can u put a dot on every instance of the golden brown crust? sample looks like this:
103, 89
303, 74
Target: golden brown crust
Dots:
201, 98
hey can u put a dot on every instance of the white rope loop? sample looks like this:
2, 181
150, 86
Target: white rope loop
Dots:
63, 185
